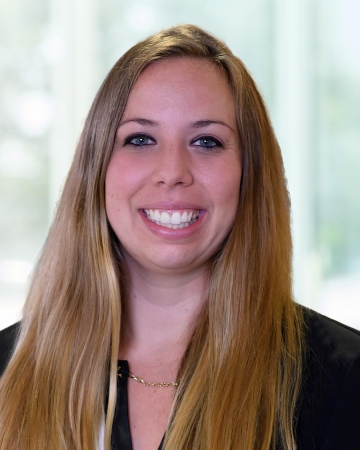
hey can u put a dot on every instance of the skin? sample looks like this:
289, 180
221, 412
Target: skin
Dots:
182, 112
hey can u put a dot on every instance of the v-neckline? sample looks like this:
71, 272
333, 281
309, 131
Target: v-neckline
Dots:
121, 435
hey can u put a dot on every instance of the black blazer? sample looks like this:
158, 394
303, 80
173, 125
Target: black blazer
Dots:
328, 410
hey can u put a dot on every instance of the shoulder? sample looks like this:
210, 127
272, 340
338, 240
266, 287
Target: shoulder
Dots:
327, 335
330, 404
7, 341
333, 352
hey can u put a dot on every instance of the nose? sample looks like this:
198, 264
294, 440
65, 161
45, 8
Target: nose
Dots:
173, 167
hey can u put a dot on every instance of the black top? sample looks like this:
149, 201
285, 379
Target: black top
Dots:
328, 409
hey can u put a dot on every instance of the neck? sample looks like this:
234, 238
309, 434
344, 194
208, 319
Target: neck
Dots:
160, 316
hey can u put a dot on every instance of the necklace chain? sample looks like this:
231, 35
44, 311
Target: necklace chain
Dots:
148, 383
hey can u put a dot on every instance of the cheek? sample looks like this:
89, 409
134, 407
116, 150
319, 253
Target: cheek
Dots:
111, 189
127, 169
112, 209
225, 186
123, 179
115, 181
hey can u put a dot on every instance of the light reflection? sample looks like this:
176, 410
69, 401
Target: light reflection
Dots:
34, 113
17, 160
15, 271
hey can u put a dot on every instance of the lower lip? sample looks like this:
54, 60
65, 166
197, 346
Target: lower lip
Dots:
169, 233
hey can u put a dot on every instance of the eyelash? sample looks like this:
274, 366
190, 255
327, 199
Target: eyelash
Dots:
215, 143
139, 136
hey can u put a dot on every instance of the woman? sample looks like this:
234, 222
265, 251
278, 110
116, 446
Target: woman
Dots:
162, 299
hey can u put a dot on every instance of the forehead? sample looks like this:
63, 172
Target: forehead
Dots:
184, 82
184, 69
191, 64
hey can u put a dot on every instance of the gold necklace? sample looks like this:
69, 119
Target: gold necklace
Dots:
148, 383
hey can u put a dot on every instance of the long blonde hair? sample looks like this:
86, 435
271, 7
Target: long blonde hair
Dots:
241, 373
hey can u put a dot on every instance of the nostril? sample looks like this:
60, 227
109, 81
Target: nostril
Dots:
178, 173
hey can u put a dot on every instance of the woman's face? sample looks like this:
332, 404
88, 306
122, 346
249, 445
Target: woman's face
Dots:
172, 184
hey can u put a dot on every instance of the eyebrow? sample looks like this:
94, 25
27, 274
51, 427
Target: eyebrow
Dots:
197, 124
141, 121
206, 123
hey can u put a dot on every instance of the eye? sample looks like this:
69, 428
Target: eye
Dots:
207, 142
139, 140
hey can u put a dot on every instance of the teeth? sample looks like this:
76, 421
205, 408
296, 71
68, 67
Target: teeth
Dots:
173, 220
165, 217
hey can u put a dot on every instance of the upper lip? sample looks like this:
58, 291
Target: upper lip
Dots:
172, 206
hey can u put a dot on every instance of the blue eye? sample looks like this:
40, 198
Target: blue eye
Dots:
207, 142
139, 140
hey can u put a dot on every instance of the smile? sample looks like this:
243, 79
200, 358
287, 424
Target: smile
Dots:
174, 220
